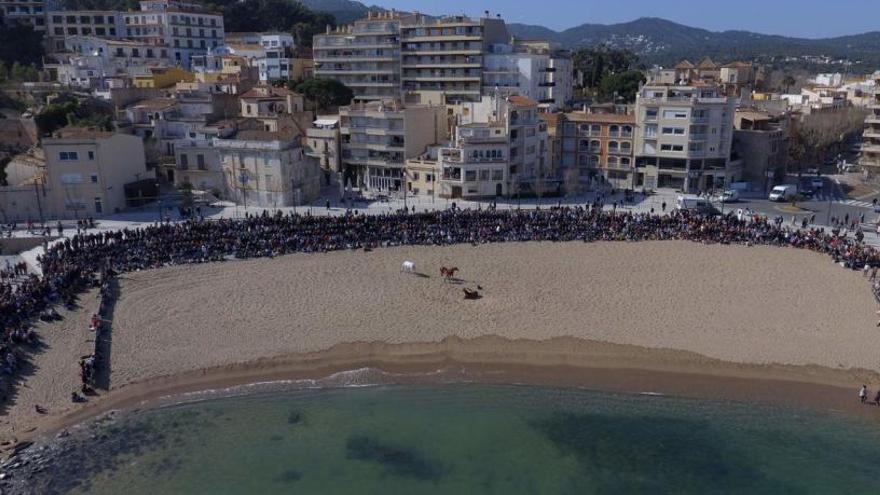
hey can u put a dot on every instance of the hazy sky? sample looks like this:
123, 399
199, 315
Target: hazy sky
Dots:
804, 18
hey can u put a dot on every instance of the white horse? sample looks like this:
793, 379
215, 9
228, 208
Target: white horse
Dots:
408, 267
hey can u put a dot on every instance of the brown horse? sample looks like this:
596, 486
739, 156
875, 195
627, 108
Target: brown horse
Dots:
448, 273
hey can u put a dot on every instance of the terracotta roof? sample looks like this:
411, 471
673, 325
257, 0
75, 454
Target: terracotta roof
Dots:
522, 101
155, 103
707, 63
552, 119
266, 93
72, 132
685, 64
601, 118
739, 64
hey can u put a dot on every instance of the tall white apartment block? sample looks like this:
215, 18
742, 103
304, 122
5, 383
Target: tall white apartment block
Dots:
27, 12
535, 70
446, 54
365, 56
275, 65
378, 137
870, 159
683, 138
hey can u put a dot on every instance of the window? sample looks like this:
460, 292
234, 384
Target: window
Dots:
470, 175
94, 178
99, 206
66, 156
650, 114
671, 147
484, 175
673, 131
91, 155
498, 174
200, 161
57, 18
184, 161
675, 114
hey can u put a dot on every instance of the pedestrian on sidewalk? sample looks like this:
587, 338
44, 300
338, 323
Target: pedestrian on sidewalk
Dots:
863, 394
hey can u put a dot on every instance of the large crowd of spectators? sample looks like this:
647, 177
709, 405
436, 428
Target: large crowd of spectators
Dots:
85, 260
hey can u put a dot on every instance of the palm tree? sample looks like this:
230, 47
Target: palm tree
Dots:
788, 81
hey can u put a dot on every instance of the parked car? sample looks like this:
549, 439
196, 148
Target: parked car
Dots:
783, 192
728, 196
807, 190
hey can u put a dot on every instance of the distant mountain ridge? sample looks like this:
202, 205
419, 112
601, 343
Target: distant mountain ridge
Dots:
659, 41
345, 11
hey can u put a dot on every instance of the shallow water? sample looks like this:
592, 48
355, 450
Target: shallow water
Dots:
474, 439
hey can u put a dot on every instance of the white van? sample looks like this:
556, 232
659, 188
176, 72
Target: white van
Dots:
690, 202
783, 192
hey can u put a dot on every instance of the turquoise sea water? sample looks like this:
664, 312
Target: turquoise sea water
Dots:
462, 439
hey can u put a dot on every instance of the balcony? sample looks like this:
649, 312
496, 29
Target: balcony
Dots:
620, 151
442, 78
698, 137
873, 119
453, 174
390, 146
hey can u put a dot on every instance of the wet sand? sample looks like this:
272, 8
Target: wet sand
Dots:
760, 323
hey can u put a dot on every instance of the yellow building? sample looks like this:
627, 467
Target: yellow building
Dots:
163, 77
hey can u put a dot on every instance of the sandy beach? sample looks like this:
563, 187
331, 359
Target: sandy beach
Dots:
743, 313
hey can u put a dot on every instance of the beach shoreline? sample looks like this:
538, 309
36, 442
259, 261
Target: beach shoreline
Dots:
492, 360
569, 317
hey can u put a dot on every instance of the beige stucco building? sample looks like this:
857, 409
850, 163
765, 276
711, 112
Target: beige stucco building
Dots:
683, 138
86, 171
378, 137
870, 159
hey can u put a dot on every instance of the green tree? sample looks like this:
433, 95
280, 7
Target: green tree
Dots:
788, 81
54, 117
622, 85
20, 44
3, 163
595, 64
187, 199
324, 93
23, 73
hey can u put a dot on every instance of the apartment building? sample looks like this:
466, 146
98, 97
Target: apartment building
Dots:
501, 148
378, 137
89, 62
279, 54
264, 168
870, 157
60, 25
534, 69
761, 140
323, 144
683, 138
597, 147
86, 170
734, 79
27, 12
365, 56
198, 162
446, 54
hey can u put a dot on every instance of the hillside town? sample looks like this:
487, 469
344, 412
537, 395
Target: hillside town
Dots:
161, 108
